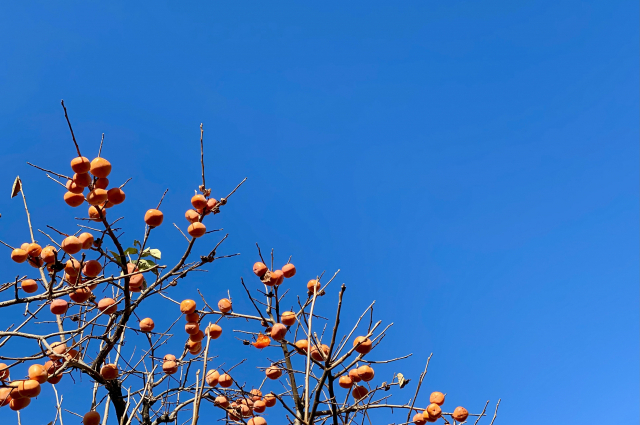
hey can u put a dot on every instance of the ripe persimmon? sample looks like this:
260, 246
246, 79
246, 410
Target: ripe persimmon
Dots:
365, 372
73, 199
115, 195
288, 318
74, 188
170, 367
34, 250
193, 345
91, 418
198, 202
321, 354
96, 196
71, 245
19, 403
197, 337
211, 204
196, 229
72, 267
434, 411
192, 317
59, 306
29, 286
92, 268
35, 262
224, 305
418, 419
80, 164
191, 328
460, 414
100, 167
436, 397
37, 372
362, 344
302, 345
345, 382
270, 400
225, 381
273, 372
80, 295
168, 358
82, 179
57, 350
109, 372
5, 397
353, 374
187, 306
4, 372
153, 217
48, 254
259, 269
107, 305
192, 216
313, 283
29, 388
212, 377
95, 211
259, 406
288, 270
359, 392
221, 401
214, 331
257, 420
278, 331
101, 183
146, 324
19, 255
86, 239
277, 277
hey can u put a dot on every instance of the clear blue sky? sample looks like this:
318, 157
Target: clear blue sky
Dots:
472, 166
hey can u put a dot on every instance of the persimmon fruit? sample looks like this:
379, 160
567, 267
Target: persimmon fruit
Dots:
80, 164
259, 269
224, 305
59, 306
91, 418
436, 397
109, 372
29, 286
71, 245
362, 344
187, 306
146, 324
107, 305
288, 270
196, 229
19, 255
288, 318
214, 331
115, 195
153, 217
100, 167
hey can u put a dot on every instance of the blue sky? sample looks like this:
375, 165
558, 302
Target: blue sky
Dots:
472, 166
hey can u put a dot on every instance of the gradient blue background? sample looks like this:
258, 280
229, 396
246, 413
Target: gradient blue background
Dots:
472, 166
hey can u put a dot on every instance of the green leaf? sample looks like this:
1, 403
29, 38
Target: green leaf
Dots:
155, 253
145, 264
116, 256
130, 251
136, 242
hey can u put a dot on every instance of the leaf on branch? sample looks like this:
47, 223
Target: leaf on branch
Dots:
17, 186
136, 242
155, 253
262, 341
146, 265
116, 257
402, 381
130, 251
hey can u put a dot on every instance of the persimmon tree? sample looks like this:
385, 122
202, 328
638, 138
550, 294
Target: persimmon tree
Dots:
81, 288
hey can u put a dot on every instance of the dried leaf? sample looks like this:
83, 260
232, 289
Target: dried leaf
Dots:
402, 381
262, 341
17, 187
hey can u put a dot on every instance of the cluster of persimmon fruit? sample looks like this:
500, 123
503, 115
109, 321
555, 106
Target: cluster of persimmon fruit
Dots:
93, 176
433, 411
